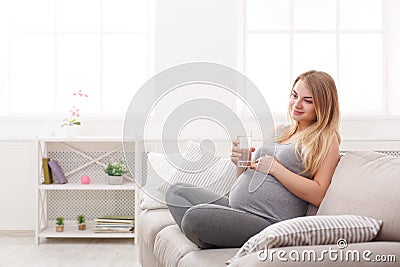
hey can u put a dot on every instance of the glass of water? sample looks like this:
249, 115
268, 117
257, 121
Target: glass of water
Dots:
245, 151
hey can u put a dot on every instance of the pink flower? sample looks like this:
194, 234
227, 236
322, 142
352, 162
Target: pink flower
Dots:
74, 111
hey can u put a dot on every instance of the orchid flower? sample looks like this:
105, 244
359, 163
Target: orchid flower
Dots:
74, 111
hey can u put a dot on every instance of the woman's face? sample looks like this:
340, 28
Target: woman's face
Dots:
302, 107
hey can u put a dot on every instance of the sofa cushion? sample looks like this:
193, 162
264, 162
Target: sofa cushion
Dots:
312, 230
368, 184
150, 222
207, 257
171, 246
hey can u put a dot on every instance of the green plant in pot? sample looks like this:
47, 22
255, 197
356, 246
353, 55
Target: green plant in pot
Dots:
60, 224
81, 222
115, 171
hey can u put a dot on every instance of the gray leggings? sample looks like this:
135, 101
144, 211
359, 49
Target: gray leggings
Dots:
207, 219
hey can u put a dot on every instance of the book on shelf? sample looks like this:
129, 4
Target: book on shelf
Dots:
47, 174
109, 225
114, 224
112, 230
105, 221
117, 217
55, 167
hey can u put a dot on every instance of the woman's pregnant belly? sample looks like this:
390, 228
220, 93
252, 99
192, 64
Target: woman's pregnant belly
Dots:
263, 195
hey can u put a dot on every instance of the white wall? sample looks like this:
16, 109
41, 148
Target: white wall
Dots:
17, 205
32, 126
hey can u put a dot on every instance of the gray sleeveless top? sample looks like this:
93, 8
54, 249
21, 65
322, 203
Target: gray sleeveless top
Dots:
262, 194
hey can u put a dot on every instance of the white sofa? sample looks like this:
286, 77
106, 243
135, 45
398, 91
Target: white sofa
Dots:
364, 183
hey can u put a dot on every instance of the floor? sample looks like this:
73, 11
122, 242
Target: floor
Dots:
18, 248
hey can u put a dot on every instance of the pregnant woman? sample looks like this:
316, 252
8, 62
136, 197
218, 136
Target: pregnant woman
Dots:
287, 175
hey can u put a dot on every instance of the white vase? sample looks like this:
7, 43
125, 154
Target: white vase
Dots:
115, 179
71, 131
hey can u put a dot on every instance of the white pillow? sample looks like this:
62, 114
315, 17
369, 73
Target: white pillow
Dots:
158, 171
160, 165
218, 176
312, 230
149, 203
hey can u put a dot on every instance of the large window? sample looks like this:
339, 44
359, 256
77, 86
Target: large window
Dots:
346, 38
52, 48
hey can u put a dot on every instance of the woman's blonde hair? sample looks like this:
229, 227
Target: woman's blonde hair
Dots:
314, 141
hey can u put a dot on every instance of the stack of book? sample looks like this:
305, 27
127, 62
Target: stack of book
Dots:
114, 224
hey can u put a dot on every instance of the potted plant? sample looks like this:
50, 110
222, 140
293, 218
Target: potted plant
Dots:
72, 123
115, 171
60, 224
81, 222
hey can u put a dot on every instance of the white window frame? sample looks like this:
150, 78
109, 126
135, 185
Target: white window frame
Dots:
291, 32
5, 88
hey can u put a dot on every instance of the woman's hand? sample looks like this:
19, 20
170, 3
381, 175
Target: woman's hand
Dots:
235, 155
264, 164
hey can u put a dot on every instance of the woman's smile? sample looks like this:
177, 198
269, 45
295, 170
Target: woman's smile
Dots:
295, 112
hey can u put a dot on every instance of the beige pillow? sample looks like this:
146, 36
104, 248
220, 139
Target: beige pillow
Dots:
368, 184
312, 230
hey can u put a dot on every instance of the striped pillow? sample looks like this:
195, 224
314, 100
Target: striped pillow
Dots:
218, 176
312, 230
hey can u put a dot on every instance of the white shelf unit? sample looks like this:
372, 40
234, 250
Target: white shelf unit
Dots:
82, 156
71, 231
76, 186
